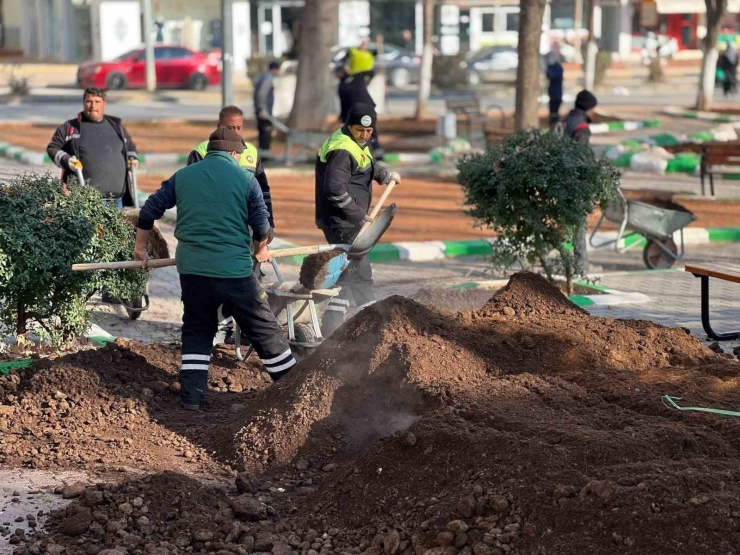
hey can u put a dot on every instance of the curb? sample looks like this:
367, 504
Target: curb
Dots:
694, 114
609, 297
427, 251
600, 128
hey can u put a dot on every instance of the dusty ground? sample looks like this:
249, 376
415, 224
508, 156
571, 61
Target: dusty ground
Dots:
523, 427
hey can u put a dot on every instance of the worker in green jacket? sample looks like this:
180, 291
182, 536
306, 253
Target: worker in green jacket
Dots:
217, 204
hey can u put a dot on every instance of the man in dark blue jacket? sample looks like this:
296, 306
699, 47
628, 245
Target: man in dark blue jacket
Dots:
264, 101
555, 86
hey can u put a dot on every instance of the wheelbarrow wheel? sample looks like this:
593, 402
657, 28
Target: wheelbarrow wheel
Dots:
303, 334
134, 303
656, 258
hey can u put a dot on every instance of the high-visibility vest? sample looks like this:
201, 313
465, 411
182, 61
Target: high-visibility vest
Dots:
248, 160
360, 61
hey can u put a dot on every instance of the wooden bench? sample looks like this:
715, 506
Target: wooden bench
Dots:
472, 111
725, 272
718, 159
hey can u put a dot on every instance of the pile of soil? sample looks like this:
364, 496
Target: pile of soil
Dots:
116, 406
526, 426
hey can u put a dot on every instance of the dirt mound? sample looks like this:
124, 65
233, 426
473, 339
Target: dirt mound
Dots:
117, 405
525, 427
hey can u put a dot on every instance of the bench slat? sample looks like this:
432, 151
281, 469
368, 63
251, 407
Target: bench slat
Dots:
726, 272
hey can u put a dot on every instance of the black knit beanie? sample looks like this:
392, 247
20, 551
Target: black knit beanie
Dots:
362, 114
585, 101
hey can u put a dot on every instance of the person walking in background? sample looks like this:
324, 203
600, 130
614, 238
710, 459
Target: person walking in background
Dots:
555, 85
408, 40
264, 101
728, 64
352, 89
360, 60
576, 126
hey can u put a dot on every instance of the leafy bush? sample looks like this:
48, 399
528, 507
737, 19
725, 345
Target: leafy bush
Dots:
536, 191
45, 227
447, 73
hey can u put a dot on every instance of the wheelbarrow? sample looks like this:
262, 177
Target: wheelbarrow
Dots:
656, 225
133, 307
290, 300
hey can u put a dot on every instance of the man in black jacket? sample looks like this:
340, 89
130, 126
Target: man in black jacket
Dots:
352, 90
103, 146
345, 171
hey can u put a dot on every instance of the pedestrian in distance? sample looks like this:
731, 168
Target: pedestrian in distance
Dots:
345, 171
101, 145
217, 202
728, 64
264, 102
555, 85
576, 126
353, 89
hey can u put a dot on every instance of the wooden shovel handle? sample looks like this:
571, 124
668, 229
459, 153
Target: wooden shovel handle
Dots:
164, 262
378, 206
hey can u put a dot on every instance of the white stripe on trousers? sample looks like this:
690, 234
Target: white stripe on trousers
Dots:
277, 359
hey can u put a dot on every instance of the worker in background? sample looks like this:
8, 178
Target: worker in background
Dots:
576, 126
232, 118
352, 89
217, 202
345, 170
101, 144
264, 101
554, 84
360, 59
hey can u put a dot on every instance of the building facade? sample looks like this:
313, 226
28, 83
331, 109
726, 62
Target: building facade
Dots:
78, 30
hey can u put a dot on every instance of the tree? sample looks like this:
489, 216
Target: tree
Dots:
314, 80
536, 191
45, 227
427, 58
716, 10
531, 13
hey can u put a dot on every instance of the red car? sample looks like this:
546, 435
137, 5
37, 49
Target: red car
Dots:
176, 67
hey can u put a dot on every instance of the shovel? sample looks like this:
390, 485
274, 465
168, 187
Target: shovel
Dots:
314, 275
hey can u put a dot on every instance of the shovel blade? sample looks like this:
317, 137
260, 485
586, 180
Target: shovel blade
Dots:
365, 242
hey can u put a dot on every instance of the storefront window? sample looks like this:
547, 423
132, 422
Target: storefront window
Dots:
512, 21
487, 23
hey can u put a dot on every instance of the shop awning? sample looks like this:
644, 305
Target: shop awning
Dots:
692, 6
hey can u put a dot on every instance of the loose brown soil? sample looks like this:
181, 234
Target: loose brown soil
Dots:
524, 427
315, 268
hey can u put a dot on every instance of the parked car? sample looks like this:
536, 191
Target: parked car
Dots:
175, 66
402, 67
493, 63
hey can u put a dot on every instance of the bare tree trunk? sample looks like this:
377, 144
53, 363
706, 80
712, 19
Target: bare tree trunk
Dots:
427, 58
314, 80
528, 72
716, 10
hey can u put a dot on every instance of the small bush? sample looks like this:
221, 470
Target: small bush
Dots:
45, 227
536, 191
447, 73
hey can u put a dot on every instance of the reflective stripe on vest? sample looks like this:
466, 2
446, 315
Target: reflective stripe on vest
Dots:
340, 141
248, 159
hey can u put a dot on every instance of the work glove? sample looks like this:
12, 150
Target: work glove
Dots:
366, 219
72, 163
394, 176
263, 114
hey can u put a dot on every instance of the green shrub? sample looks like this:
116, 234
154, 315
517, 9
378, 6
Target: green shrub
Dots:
536, 191
45, 227
447, 73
